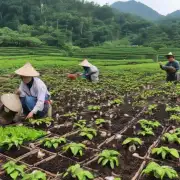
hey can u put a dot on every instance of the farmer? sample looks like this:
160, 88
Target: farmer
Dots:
171, 68
33, 93
91, 72
10, 108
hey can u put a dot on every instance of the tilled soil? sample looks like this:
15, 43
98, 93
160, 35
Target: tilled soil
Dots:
57, 165
87, 154
128, 166
15, 153
33, 159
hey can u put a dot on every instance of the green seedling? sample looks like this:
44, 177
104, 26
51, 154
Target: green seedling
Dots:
76, 172
109, 157
164, 151
160, 172
75, 148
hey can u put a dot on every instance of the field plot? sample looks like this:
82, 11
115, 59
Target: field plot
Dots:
125, 127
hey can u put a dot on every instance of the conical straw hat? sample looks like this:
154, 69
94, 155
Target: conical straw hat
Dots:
12, 102
170, 54
27, 70
85, 63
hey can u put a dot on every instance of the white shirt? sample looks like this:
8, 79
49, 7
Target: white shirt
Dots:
38, 90
93, 70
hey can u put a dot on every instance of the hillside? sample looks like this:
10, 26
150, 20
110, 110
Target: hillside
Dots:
64, 24
138, 9
175, 14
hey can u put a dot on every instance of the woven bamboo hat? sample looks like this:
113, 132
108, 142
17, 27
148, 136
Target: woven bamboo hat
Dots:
85, 63
169, 55
12, 102
27, 70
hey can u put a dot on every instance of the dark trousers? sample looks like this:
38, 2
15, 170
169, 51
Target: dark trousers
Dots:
28, 104
171, 77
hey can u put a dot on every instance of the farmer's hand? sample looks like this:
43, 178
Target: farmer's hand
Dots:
160, 63
30, 115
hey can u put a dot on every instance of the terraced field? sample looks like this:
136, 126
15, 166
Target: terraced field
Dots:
117, 52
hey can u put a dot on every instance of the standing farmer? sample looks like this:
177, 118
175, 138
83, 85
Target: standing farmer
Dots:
171, 68
33, 93
91, 72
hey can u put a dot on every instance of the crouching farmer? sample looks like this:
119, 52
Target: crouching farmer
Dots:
33, 93
91, 72
10, 108
171, 68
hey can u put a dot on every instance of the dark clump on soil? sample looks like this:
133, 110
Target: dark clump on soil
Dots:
56, 165
16, 153
33, 159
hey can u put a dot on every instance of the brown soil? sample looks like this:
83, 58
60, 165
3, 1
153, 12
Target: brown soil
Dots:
3, 160
33, 159
87, 154
126, 170
91, 143
15, 153
62, 130
56, 165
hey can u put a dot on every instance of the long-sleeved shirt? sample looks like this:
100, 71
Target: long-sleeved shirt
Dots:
93, 72
38, 90
174, 64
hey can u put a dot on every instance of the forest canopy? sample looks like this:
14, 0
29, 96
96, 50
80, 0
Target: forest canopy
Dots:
78, 23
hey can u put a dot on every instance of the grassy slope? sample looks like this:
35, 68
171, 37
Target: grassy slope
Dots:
9, 64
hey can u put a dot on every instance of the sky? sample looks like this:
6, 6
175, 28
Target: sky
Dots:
162, 6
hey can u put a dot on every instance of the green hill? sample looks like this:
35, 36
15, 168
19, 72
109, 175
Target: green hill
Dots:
137, 8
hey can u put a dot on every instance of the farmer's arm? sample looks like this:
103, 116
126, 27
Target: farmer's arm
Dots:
164, 67
176, 65
42, 90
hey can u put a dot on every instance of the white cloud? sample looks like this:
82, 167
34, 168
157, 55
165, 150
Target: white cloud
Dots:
162, 6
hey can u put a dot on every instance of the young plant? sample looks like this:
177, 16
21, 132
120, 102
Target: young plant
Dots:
38, 122
175, 118
90, 133
94, 108
77, 172
177, 131
164, 151
132, 141
35, 175
146, 132
72, 115
116, 102
99, 121
171, 138
160, 172
172, 109
53, 142
151, 108
14, 170
149, 124
109, 157
80, 124
9, 142
74, 148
